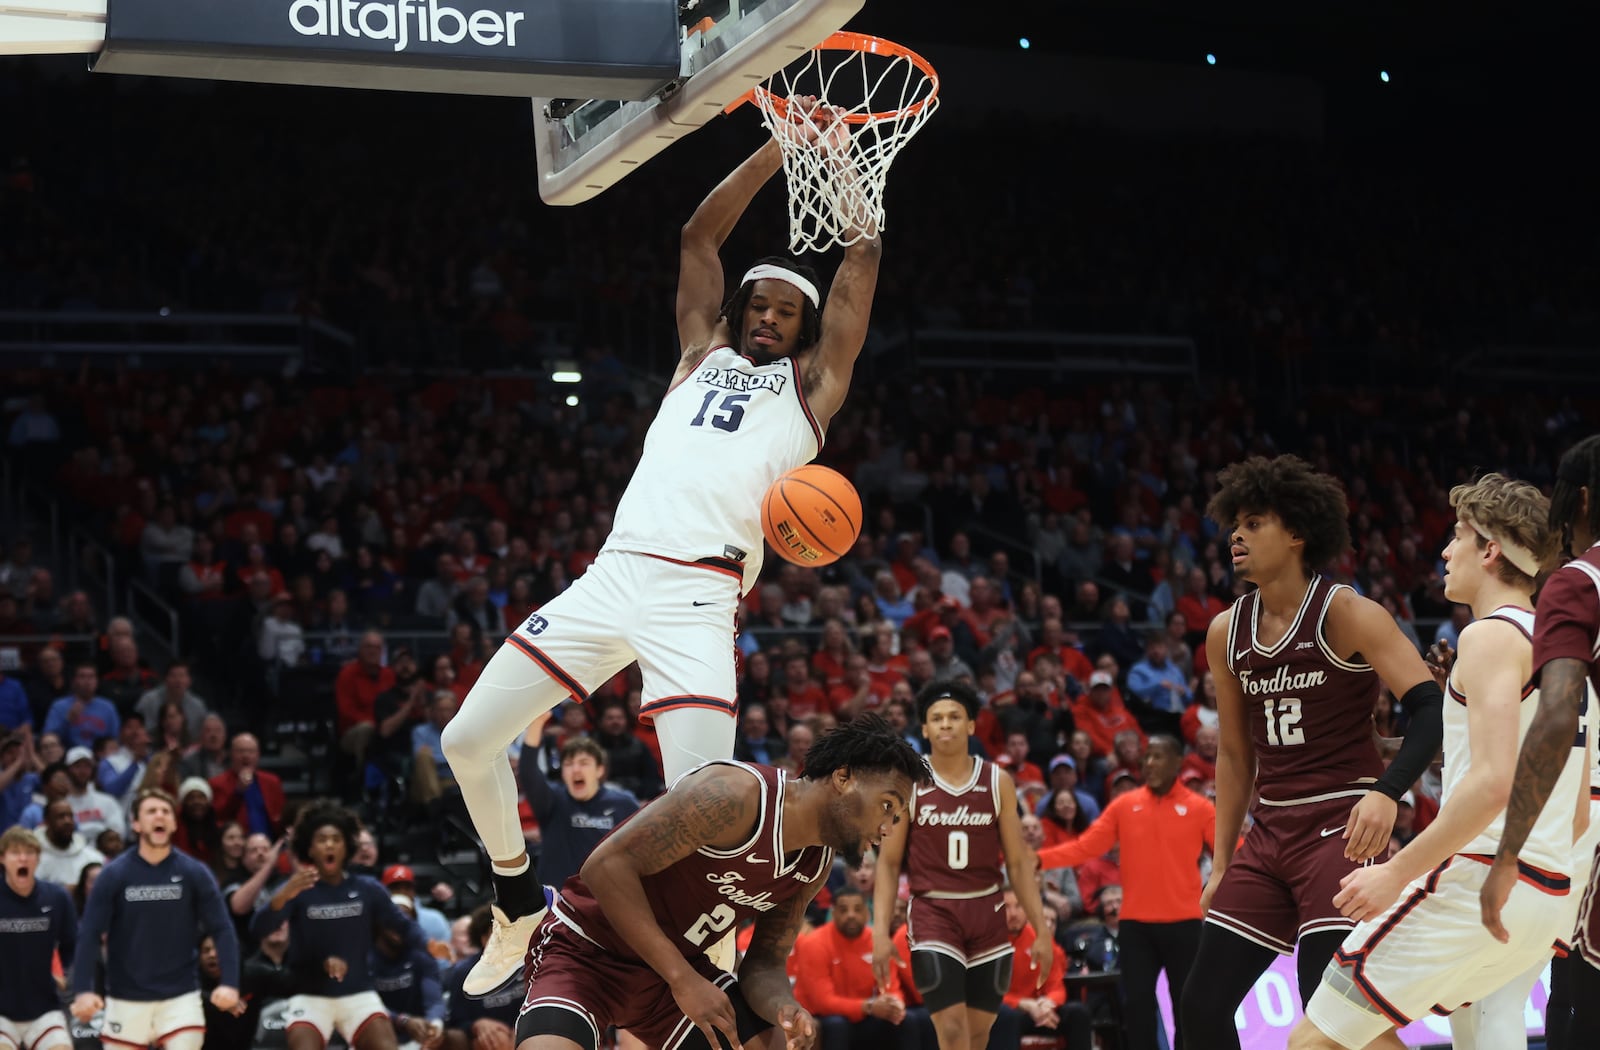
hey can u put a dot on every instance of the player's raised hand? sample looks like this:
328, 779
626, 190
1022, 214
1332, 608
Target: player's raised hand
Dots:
1492, 897
85, 1005
799, 1027
708, 1007
1371, 823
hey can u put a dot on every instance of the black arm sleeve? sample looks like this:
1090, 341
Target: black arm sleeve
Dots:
1424, 707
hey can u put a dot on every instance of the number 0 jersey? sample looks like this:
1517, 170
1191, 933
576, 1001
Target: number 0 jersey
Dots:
699, 898
720, 439
953, 842
1310, 711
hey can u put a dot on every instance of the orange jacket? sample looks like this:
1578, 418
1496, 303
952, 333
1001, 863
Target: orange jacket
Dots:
1025, 976
1161, 838
833, 976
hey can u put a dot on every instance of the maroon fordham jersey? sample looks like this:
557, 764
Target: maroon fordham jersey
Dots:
953, 841
699, 898
1568, 624
1310, 711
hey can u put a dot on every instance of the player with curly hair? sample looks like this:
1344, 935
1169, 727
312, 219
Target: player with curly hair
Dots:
1298, 662
624, 942
333, 919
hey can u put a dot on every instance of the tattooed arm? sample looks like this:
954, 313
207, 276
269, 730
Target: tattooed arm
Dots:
1545, 751
763, 976
716, 807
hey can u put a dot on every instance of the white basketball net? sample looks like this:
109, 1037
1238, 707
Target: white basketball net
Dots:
876, 101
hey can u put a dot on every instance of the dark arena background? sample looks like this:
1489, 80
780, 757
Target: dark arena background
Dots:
304, 388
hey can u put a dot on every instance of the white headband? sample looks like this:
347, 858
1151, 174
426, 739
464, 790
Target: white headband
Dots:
1524, 559
783, 273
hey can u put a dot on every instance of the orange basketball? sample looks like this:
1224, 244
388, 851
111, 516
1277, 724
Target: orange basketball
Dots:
811, 516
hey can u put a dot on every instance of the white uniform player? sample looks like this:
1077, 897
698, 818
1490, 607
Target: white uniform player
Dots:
1430, 952
1422, 947
757, 382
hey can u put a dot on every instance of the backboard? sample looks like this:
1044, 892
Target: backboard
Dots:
729, 46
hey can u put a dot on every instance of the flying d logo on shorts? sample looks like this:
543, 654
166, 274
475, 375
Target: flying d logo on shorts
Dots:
536, 624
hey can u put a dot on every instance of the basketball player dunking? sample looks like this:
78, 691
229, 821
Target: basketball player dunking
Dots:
759, 379
1566, 664
1297, 663
964, 825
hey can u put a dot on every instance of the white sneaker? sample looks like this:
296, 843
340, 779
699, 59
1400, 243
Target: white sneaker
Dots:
501, 961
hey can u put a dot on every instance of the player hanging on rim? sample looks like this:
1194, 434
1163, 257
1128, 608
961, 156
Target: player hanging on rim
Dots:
624, 942
1566, 664
1420, 946
758, 380
1297, 663
964, 825
37, 920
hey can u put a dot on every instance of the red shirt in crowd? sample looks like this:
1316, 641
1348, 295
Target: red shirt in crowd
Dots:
833, 975
1025, 975
356, 692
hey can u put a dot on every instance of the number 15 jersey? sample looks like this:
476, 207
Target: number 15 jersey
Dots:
720, 439
1310, 711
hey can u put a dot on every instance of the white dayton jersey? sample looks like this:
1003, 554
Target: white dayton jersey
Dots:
721, 438
1549, 844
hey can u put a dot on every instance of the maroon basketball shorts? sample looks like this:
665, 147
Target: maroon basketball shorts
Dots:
1281, 883
971, 930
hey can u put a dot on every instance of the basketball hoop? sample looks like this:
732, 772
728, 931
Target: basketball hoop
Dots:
873, 95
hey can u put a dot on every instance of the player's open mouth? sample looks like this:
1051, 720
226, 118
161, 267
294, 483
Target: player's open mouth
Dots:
1239, 554
22, 872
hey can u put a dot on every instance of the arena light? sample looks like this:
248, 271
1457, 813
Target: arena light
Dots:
1024, 43
1211, 59
1383, 75
566, 372
572, 400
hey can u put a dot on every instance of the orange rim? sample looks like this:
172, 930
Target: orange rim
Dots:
872, 45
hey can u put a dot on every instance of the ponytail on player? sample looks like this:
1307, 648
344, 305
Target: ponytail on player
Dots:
810, 316
865, 743
1579, 469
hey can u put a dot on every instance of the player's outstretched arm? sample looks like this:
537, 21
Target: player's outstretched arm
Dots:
1236, 754
885, 889
1494, 663
716, 806
763, 974
1360, 627
700, 277
1022, 867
